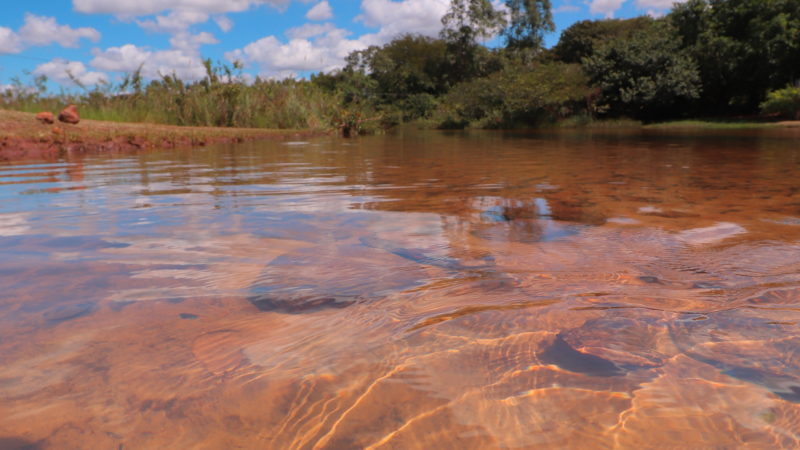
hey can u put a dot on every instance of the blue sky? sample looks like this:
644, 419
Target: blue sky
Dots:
99, 40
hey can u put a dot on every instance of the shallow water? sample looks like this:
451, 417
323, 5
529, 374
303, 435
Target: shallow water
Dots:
426, 290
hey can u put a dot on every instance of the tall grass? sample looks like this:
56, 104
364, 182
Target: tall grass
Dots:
221, 99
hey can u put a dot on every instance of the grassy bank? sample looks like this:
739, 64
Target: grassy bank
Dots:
716, 125
22, 135
221, 99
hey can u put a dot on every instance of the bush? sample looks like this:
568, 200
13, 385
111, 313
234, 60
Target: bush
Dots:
517, 96
645, 75
784, 102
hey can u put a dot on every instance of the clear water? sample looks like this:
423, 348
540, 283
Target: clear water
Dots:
420, 290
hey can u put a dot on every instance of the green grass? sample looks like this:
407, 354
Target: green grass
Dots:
585, 122
712, 125
215, 101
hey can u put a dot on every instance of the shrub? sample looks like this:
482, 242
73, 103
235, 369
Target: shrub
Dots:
784, 102
518, 96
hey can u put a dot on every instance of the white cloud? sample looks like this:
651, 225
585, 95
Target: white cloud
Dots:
175, 21
655, 8
312, 49
566, 9
309, 30
136, 8
9, 41
408, 16
323, 47
656, 4
605, 7
190, 43
42, 31
321, 11
224, 23
154, 64
64, 72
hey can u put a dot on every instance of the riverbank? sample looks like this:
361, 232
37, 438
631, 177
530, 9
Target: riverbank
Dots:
723, 125
21, 136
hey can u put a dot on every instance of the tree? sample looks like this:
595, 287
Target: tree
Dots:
645, 75
744, 48
469, 21
401, 78
518, 95
529, 21
466, 23
582, 38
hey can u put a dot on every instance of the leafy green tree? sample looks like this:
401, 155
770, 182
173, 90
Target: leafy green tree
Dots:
744, 48
466, 24
582, 38
517, 96
529, 21
470, 21
404, 75
645, 75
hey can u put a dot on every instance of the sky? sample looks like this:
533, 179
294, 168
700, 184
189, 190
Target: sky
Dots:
98, 41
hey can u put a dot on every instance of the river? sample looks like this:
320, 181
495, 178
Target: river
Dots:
608, 289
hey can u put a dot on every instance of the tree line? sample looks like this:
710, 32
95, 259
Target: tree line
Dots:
705, 58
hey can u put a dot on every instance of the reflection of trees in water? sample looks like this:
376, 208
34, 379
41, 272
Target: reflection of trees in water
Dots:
530, 220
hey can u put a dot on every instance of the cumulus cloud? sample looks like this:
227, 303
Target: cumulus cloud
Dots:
656, 4
154, 64
321, 48
224, 23
9, 41
175, 21
605, 7
310, 30
43, 31
408, 16
566, 8
189, 43
321, 11
654, 8
135, 8
65, 72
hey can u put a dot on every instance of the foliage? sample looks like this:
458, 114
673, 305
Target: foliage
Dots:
644, 75
784, 102
582, 38
743, 48
529, 21
221, 99
706, 57
469, 21
517, 96
465, 24
409, 64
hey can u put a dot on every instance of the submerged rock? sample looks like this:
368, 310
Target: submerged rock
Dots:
296, 304
70, 115
566, 357
66, 313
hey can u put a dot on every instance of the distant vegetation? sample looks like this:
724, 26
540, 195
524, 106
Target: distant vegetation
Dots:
705, 59
217, 100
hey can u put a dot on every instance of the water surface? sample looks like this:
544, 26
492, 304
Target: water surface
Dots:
419, 290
